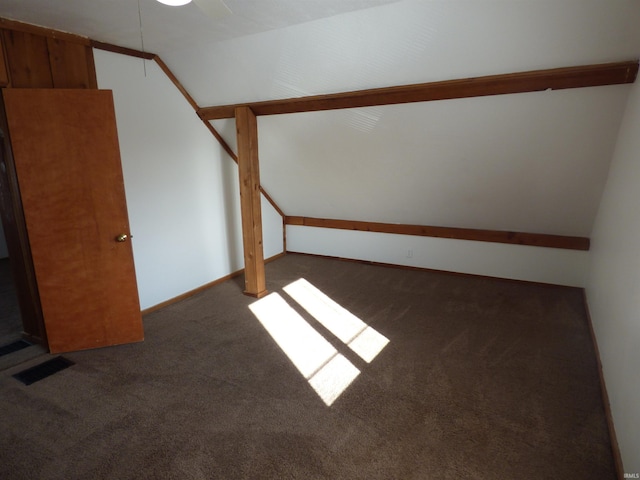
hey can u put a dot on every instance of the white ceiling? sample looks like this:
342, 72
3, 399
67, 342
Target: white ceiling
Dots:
362, 42
164, 27
283, 48
530, 162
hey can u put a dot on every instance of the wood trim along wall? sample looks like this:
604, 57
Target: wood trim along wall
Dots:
495, 236
532, 81
615, 448
204, 287
8, 24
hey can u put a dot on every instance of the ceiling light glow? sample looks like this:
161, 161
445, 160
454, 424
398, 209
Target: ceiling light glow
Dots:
175, 3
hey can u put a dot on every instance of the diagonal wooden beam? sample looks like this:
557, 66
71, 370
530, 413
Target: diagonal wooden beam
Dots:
532, 81
187, 96
163, 66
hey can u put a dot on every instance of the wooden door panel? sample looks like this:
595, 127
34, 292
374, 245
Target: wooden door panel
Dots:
67, 159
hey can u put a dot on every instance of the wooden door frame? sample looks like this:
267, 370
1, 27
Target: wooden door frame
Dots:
17, 240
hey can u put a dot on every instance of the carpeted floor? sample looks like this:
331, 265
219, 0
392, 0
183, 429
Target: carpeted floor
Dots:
481, 379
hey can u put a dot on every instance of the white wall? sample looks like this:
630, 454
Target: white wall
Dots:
531, 162
182, 189
613, 289
546, 265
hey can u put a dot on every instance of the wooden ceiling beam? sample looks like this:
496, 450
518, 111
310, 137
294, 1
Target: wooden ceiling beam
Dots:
532, 81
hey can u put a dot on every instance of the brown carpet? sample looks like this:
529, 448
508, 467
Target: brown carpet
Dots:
481, 379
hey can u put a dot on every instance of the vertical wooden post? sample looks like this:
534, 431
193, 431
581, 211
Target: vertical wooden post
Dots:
249, 173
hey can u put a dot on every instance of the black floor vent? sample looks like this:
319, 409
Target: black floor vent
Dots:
37, 373
13, 347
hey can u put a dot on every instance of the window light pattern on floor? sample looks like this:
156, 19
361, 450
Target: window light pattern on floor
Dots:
328, 371
360, 337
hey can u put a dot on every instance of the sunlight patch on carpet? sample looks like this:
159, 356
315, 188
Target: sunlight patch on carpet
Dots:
314, 357
357, 335
334, 378
327, 371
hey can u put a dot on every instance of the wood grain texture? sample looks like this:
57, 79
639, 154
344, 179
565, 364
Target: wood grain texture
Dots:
249, 176
28, 60
4, 70
7, 24
532, 81
71, 64
495, 236
72, 192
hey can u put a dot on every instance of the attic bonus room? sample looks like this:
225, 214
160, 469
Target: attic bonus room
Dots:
319, 239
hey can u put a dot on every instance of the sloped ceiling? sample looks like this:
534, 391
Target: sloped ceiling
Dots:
166, 28
528, 162
534, 162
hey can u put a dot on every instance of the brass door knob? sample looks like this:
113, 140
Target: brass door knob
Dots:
122, 237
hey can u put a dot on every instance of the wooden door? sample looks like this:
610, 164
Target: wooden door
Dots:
67, 161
